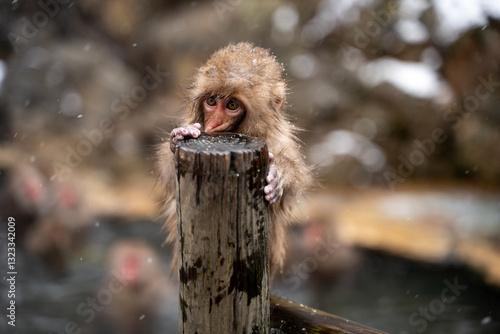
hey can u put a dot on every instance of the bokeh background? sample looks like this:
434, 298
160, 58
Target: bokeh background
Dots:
398, 101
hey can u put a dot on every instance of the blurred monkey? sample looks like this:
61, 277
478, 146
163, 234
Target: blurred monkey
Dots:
144, 288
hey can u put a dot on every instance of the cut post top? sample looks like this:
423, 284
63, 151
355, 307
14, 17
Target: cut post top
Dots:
222, 142
219, 153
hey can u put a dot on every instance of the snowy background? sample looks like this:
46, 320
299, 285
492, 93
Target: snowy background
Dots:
399, 103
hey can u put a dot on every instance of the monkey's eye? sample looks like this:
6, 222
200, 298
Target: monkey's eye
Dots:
232, 105
211, 101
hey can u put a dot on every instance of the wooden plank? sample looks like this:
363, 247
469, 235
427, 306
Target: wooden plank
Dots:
288, 317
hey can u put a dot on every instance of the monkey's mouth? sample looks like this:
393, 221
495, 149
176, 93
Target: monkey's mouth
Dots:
225, 127
228, 126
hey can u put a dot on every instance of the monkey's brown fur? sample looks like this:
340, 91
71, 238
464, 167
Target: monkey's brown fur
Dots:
254, 77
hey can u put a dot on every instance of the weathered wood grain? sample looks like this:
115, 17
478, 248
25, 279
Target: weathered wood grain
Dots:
223, 235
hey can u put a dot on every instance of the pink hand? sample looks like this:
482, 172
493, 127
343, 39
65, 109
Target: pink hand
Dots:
192, 131
274, 189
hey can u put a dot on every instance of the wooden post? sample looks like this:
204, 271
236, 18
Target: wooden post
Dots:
223, 235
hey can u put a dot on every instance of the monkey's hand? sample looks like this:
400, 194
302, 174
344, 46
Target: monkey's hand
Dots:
177, 134
274, 189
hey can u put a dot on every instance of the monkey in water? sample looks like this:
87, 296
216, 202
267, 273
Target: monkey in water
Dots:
241, 90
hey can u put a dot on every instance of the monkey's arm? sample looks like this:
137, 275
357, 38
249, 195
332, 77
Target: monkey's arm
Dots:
166, 170
289, 176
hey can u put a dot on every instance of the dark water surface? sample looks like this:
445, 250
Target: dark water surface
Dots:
401, 296
76, 298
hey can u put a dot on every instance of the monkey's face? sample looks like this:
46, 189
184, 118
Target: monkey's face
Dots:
222, 113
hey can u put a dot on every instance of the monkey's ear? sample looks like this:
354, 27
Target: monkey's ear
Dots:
279, 96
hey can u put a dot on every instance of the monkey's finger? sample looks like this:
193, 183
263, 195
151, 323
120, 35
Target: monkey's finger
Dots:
273, 193
271, 157
195, 133
187, 131
273, 186
176, 132
274, 189
178, 137
174, 140
268, 189
190, 131
270, 199
197, 125
275, 198
272, 176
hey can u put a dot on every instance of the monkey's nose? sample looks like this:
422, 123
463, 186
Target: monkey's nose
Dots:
214, 124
